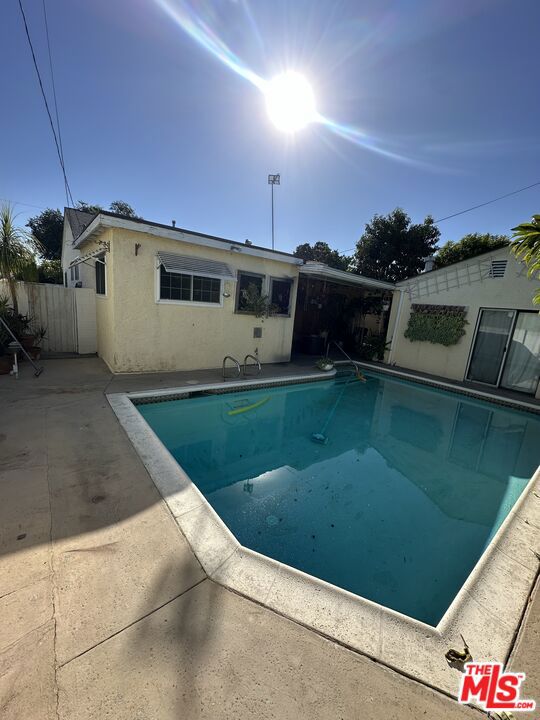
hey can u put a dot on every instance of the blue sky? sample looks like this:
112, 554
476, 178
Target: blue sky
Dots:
152, 117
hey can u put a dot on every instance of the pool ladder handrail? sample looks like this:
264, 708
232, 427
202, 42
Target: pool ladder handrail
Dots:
245, 366
235, 361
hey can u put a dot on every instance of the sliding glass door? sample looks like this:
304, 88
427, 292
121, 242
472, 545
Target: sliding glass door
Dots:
490, 345
506, 350
522, 367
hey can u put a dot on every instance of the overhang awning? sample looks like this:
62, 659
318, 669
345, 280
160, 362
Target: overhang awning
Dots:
88, 256
190, 265
341, 277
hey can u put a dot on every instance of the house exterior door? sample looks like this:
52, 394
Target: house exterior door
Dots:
506, 350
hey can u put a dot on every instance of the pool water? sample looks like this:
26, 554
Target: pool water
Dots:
388, 488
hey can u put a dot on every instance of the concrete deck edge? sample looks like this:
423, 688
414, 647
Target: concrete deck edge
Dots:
460, 389
487, 611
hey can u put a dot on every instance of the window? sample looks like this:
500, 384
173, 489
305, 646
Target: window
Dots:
188, 288
245, 280
280, 295
74, 273
100, 275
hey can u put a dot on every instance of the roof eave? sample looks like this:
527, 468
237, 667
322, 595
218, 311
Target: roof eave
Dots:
102, 222
325, 272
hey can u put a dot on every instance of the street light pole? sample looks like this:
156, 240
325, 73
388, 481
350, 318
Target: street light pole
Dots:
273, 180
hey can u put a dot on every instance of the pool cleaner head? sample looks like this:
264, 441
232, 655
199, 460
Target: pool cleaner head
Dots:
319, 438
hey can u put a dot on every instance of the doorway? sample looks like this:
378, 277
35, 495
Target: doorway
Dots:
506, 350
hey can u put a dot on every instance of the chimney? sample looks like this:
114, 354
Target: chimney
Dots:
429, 263
173, 223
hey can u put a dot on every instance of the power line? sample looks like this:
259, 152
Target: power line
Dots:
474, 207
18, 202
53, 86
69, 196
489, 202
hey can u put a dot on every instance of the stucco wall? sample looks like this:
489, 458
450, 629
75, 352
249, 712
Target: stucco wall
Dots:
70, 253
513, 291
138, 334
105, 309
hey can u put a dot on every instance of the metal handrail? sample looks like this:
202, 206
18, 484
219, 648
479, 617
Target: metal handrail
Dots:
256, 360
235, 361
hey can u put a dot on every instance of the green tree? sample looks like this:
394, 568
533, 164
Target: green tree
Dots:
50, 271
117, 206
17, 259
322, 252
47, 228
392, 248
469, 246
526, 247
122, 208
88, 208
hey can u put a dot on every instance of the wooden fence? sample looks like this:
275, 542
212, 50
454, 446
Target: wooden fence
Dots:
68, 314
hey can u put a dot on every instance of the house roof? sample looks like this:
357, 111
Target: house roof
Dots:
78, 220
90, 225
342, 277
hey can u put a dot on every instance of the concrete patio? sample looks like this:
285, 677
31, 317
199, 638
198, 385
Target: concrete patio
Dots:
105, 611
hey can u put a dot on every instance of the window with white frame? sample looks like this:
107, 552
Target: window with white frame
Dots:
188, 288
74, 273
280, 295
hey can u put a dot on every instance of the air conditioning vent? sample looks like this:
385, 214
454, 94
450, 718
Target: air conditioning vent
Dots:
498, 268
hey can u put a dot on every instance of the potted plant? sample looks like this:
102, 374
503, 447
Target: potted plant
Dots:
25, 335
325, 364
256, 303
35, 350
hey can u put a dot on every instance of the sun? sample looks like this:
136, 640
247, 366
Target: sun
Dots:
290, 101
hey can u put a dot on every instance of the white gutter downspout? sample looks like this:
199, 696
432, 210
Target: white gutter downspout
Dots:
396, 325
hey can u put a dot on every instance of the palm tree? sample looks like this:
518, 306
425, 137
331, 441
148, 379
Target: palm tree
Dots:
526, 247
16, 252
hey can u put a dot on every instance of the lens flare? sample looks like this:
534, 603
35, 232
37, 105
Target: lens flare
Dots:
289, 98
290, 101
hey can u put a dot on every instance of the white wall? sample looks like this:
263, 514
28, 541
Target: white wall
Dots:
467, 284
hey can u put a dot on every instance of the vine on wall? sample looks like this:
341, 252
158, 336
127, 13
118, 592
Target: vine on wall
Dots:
440, 324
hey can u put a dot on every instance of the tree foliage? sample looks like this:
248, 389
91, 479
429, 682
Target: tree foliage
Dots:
469, 246
88, 207
48, 226
50, 271
322, 252
393, 248
17, 253
122, 208
526, 247
47, 229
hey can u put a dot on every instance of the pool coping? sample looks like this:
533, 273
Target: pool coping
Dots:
487, 611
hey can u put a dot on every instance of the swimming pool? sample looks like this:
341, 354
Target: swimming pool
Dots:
388, 489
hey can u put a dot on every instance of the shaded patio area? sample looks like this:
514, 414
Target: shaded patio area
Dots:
104, 609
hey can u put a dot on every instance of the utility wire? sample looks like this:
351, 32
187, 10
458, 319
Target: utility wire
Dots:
69, 196
53, 85
18, 202
474, 207
489, 202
